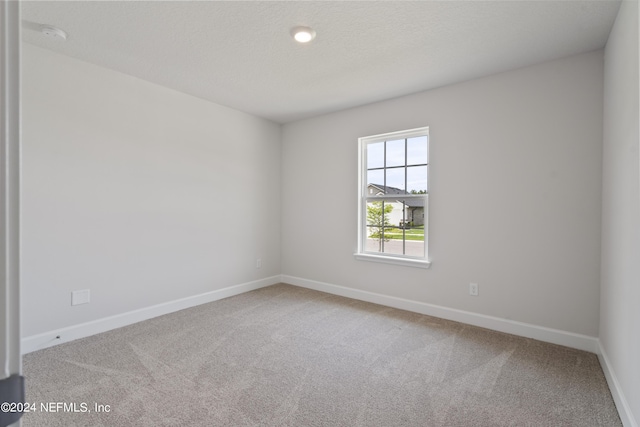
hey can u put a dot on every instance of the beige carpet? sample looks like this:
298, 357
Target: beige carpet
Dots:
287, 356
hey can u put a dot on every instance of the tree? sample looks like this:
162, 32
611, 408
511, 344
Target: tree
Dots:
377, 219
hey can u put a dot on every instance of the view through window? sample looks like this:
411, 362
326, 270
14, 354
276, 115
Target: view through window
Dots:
394, 194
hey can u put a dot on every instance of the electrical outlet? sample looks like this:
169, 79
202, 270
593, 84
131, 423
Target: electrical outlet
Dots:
473, 289
258, 263
80, 297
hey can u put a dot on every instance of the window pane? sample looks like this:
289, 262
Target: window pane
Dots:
379, 216
414, 218
395, 181
395, 153
412, 248
417, 153
375, 155
417, 179
407, 238
394, 244
375, 182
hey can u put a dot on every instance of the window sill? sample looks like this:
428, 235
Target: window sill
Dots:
407, 262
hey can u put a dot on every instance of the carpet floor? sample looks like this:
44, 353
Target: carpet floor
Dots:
288, 356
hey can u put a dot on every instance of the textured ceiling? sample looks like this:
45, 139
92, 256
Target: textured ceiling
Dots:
240, 54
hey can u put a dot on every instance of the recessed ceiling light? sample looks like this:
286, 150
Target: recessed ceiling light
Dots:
303, 34
54, 33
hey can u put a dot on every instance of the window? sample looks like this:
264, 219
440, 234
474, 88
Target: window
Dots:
394, 198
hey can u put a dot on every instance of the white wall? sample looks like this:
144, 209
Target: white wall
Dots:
620, 288
515, 195
139, 193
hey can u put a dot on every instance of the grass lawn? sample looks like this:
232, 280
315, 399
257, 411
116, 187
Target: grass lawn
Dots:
415, 233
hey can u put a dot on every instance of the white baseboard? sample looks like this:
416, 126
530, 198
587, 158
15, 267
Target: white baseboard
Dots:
554, 336
628, 420
48, 339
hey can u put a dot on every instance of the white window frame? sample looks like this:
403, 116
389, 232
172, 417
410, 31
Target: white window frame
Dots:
363, 197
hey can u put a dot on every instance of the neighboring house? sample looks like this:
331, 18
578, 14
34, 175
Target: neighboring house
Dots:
413, 212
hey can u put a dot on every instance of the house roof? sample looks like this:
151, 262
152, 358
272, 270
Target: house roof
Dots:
388, 190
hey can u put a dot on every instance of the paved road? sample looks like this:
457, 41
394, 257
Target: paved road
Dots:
412, 247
